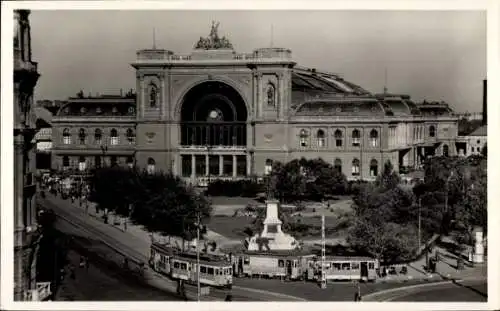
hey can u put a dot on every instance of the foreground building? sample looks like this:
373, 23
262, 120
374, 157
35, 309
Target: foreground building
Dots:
26, 234
216, 113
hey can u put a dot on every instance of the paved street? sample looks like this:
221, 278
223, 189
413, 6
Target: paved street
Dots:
134, 243
467, 291
446, 293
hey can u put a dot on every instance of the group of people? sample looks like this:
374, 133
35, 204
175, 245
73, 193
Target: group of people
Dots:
74, 188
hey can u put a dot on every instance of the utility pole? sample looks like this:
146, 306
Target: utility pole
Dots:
419, 222
323, 253
198, 254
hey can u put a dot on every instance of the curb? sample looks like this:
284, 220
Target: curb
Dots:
370, 297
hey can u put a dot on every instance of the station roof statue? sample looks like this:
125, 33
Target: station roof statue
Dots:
213, 41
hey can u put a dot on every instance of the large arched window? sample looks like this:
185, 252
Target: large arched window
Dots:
373, 168
271, 95
321, 138
82, 164
81, 136
65, 161
114, 137
98, 136
303, 137
373, 138
432, 131
355, 167
153, 96
151, 166
130, 136
356, 137
446, 150
338, 165
269, 167
66, 136
339, 137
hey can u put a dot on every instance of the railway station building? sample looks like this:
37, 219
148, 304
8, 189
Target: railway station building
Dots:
220, 114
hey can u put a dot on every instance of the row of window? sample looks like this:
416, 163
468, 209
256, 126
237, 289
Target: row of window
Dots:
113, 133
204, 269
339, 137
355, 167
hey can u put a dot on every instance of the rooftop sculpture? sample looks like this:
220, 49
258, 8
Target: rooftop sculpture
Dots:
213, 41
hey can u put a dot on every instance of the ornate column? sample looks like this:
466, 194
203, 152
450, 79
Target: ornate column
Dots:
193, 166
221, 165
207, 165
249, 164
234, 166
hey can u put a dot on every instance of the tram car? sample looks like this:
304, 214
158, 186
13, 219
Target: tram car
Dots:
215, 271
276, 264
343, 268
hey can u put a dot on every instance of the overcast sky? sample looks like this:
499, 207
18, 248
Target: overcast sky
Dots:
433, 55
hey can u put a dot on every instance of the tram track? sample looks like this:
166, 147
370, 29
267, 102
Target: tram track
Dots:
238, 292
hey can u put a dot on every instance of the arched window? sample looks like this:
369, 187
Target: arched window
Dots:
153, 95
271, 95
356, 137
114, 137
269, 167
303, 138
66, 136
373, 168
432, 131
81, 136
82, 164
65, 161
446, 150
321, 138
355, 167
338, 138
130, 161
130, 136
151, 166
338, 165
98, 136
373, 138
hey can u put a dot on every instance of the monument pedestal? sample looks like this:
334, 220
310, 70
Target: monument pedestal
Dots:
275, 238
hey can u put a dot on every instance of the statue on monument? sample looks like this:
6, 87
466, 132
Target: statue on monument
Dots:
213, 41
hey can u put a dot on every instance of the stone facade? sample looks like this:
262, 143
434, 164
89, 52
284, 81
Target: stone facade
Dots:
25, 223
216, 113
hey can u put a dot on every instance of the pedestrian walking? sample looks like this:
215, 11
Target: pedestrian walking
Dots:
82, 262
87, 263
72, 273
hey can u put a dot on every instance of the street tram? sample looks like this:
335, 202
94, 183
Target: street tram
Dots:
215, 271
276, 264
343, 268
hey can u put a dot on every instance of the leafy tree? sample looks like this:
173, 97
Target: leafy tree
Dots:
306, 179
385, 222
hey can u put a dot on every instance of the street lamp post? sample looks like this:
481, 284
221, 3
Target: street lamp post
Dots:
419, 222
198, 254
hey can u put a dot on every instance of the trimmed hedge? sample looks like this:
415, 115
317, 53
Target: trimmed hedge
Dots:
239, 188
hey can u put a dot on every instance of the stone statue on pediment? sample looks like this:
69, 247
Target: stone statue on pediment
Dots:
213, 41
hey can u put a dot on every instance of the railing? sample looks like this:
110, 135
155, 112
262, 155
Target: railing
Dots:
257, 55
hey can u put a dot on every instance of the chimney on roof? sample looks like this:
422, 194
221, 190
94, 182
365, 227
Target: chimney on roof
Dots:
485, 102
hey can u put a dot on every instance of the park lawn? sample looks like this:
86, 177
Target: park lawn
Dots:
233, 227
220, 200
